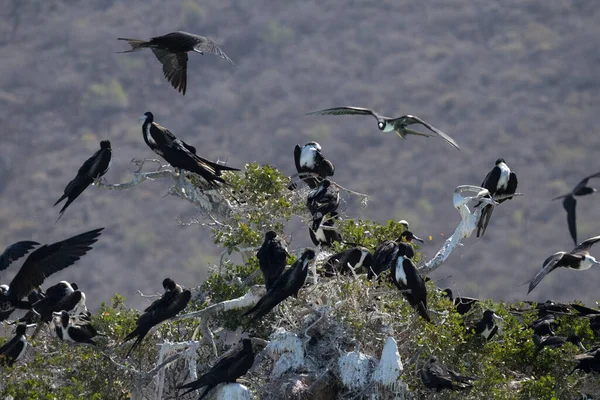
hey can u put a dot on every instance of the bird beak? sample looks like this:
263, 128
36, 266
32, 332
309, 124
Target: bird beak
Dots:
142, 118
580, 345
497, 316
418, 239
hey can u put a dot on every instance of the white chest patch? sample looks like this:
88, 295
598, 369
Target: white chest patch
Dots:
307, 157
24, 340
586, 263
362, 259
149, 136
399, 273
487, 332
388, 127
504, 175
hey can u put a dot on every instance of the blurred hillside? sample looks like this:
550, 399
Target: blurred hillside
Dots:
517, 79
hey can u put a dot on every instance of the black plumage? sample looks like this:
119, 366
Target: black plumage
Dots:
272, 257
326, 234
588, 362
578, 259
14, 252
288, 284
180, 154
385, 124
357, 258
500, 181
93, 168
407, 279
462, 304
62, 296
14, 349
437, 376
40, 264
173, 301
557, 341
545, 325
171, 50
487, 327
310, 160
69, 331
226, 370
386, 253
569, 202
323, 200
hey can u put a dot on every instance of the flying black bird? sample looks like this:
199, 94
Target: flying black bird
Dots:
578, 259
569, 202
557, 341
385, 124
499, 181
271, 258
226, 370
323, 200
180, 154
171, 50
462, 304
40, 264
92, 169
407, 279
436, 375
10, 254
386, 253
14, 349
325, 234
355, 258
487, 327
169, 305
288, 284
309, 159
68, 331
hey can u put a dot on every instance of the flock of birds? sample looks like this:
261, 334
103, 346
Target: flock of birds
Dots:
63, 308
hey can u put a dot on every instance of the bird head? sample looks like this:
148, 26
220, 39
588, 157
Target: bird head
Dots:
169, 284
74, 286
4, 289
409, 237
148, 117
105, 144
247, 344
21, 329
314, 144
270, 235
490, 314
500, 161
381, 125
308, 255
447, 293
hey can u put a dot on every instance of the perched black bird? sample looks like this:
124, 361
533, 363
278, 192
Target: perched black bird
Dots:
226, 370
40, 264
92, 169
385, 124
583, 310
578, 259
557, 341
462, 304
62, 296
309, 159
437, 376
487, 327
588, 362
288, 284
171, 50
545, 325
14, 349
355, 258
169, 305
386, 253
499, 181
569, 202
323, 200
272, 256
68, 331
180, 154
326, 234
407, 279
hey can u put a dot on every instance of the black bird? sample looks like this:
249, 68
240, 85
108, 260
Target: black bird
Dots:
326, 234
180, 154
288, 284
545, 325
171, 50
10, 254
323, 200
557, 341
386, 253
272, 257
68, 331
569, 202
169, 305
62, 296
437, 376
226, 370
462, 304
309, 159
40, 264
355, 258
487, 327
499, 181
385, 124
407, 279
14, 349
92, 169
578, 259
588, 362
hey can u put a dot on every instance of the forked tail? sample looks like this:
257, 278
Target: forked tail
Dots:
135, 44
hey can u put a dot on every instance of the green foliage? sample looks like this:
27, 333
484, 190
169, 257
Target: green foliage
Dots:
105, 96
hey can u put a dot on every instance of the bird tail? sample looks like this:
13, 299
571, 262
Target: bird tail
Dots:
135, 44
422, 311
561, 197
140, 336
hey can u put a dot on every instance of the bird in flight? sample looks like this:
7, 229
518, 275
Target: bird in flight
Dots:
578, 259
569, 202
171, 50
385, 124
499, 181
92, 169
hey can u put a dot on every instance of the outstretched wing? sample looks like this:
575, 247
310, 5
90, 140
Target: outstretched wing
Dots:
583, 183
205, 45
404, 121
14, 252
569, 204
346, 111
550, 264
585, 245
174, 67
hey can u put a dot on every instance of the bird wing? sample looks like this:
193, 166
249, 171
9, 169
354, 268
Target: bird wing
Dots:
402, 122
174, 67
167, 310
208, 46
583, 183
14, 252
511, 187
51, 258
384, 255
491, 180
584, 246
550, 264
346, 111
297, 153
569, 204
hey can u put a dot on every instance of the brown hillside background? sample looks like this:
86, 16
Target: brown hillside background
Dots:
513, 79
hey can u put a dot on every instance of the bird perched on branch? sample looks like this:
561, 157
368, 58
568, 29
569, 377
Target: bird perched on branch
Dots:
569, 202
226, 370
14, 349
462, 304
171, 50
67, 330
323, 200
272, 257
407, 279
310, 160
93, 168
326, 234
436, 375
385, 124
487, 327
355, 258
500, 181
386, 253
